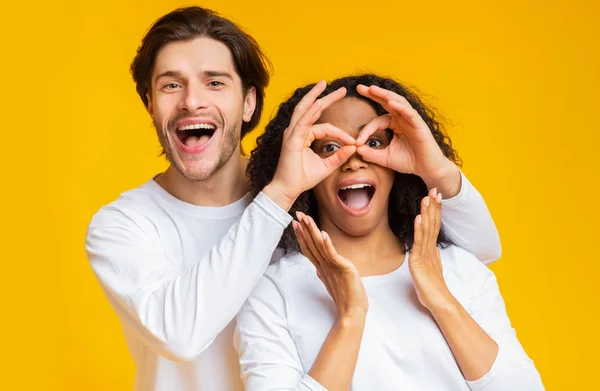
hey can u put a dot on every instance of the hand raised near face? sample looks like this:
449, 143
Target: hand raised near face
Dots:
413, 149
300, 168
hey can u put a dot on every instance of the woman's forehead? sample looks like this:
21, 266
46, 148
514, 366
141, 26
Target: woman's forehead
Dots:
348, 114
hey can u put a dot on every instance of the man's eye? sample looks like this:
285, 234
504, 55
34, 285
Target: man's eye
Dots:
171, 86
216, 84
329, 148
372, 143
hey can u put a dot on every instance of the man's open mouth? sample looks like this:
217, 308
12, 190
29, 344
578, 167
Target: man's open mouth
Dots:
195, 134
356, 196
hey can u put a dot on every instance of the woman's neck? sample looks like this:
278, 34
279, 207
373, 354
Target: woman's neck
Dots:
378, 252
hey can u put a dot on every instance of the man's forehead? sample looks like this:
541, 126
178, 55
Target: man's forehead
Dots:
194, 56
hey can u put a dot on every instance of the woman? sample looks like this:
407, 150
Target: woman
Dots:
379, 299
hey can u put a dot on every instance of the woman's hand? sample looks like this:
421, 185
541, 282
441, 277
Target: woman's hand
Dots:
338, 274
412, 150
300, 168
424, 260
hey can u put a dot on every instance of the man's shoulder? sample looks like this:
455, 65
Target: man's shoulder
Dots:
289, 268
133, 205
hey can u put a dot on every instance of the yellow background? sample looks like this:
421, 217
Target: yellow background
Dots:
518, 80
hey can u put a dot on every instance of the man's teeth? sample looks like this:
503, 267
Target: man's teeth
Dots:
356, 186
197, 126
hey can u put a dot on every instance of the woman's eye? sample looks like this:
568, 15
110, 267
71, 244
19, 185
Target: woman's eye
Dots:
372, 143
329, 148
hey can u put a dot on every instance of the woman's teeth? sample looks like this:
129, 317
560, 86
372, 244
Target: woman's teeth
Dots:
356, 186
356, 196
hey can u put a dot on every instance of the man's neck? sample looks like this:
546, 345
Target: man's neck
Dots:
378, 252
224, 187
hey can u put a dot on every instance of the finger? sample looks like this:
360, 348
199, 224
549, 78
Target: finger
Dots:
368, 93
438, 214
304, 247
316, 109
302, 240
393, 102
332, 253
340, 157
377, 156
418, 236
425, 219
432, 212
309, 237
408, 114
306, 102
317, 237
377, 123
309, 117
320, 131
381, 95
333, 97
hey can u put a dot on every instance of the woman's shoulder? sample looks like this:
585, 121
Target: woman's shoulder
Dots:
464, 266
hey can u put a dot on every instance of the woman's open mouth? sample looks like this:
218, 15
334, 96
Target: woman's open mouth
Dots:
356, 198
194, 138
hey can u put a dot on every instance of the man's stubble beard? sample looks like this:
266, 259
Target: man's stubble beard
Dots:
231, 139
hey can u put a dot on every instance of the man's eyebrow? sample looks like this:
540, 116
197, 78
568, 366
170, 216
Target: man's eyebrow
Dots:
167, 74
204, 73
217, 74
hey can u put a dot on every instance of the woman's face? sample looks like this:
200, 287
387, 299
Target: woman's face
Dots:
355, 197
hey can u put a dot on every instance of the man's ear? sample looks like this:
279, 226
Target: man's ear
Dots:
149, 105
249, 104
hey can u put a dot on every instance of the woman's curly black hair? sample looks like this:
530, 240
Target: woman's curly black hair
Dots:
406, 193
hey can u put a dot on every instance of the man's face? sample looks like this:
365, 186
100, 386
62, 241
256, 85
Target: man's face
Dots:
197, 105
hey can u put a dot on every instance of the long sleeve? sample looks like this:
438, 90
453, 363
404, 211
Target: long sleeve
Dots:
512, 368
179, 314
269, 358
468, 223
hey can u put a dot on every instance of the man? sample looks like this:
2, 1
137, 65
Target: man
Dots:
178, 256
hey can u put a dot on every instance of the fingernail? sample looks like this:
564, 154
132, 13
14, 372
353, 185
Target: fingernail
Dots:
298, 215
439, 197
418, 219
324, 235
426, 201
434, 192
294, 225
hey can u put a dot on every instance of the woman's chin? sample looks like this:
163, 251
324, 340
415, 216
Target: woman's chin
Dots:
357, 227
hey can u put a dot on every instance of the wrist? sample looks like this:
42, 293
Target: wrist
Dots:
276, 191
352, 320
445, 305
447, 180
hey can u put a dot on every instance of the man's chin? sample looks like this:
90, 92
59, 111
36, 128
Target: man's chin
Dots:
198, 173
194, 170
